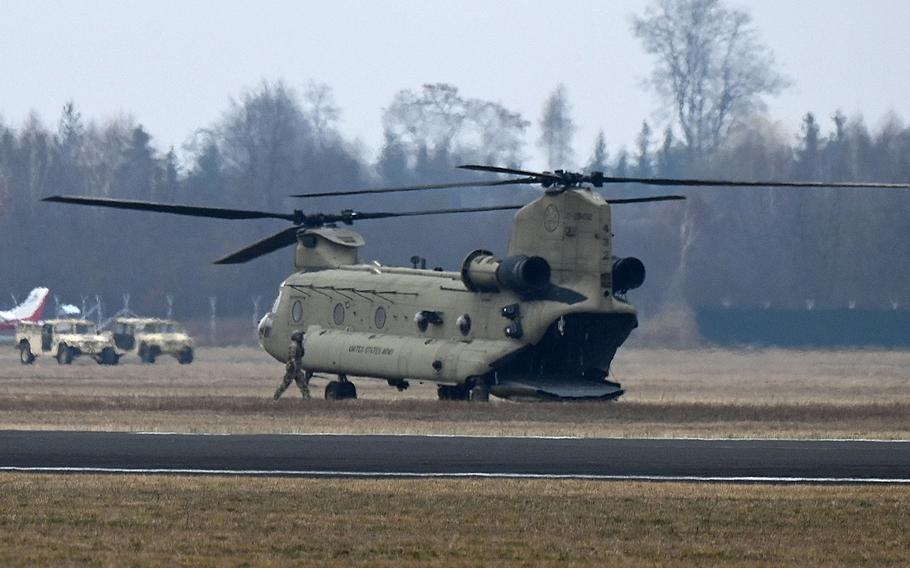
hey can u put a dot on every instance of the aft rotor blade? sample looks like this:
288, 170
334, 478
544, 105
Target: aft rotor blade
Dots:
500, 170
419, 187
357, 216
188, 210
734, 183
645, 199
277, 241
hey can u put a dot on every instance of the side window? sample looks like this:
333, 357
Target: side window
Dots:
338, 314
380, 317
296, 311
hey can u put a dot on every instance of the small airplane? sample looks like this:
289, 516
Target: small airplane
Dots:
30, 310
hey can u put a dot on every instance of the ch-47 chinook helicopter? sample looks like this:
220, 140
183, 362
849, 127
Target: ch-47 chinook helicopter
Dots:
543, 322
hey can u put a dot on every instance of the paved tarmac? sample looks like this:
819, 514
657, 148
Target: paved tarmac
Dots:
430, 456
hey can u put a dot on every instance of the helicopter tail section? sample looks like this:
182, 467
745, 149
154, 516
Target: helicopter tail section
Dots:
571, 362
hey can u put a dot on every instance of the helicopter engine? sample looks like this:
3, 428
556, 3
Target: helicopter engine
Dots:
481, 271
628, 274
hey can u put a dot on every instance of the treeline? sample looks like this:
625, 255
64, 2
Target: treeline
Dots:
782, 248
741, 247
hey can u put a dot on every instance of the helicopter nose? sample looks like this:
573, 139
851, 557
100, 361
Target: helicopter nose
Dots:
265, 328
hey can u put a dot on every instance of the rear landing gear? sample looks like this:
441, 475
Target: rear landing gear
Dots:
476, 393
480, 393
342, 389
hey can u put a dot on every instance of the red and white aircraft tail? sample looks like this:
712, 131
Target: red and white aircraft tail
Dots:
30, 310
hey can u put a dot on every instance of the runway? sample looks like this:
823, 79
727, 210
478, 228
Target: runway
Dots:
318, 455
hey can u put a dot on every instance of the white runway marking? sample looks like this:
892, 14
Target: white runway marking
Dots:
407, 474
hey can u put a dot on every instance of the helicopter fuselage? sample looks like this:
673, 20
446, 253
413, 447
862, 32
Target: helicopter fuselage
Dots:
544, 322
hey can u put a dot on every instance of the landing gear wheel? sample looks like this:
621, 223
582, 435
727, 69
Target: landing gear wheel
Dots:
452, 392
26, 357
185, 357
480, 393
64, 355
340, 390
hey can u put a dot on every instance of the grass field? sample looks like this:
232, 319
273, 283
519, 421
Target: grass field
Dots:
215, 521
212, 521
669, 393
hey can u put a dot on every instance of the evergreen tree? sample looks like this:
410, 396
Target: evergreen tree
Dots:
205, 180
557, 129
171, 180
808, 154
393, 161
667, 162
643, 166
70, 133
138, 172
621, 168
599, 155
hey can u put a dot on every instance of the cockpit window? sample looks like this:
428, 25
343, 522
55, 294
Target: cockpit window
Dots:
277, 301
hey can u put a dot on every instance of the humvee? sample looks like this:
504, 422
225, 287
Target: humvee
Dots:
151, 337
64, 339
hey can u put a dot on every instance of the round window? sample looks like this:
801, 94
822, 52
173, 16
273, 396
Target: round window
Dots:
464, 324
296, 311
380, 317
338, 314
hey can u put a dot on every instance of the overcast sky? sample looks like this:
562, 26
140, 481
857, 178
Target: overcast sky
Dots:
173, 65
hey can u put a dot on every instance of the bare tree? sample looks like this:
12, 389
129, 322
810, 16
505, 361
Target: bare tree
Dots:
430, 119
261, 139
710, 70
557, 129
500, 132
319, 104
437, 123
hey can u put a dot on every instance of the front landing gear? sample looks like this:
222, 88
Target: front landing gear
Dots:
342, 389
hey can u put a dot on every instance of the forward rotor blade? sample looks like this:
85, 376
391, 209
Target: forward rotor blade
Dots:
645, 199
288, 236
419, 187
734, 183
188, 210
277, 241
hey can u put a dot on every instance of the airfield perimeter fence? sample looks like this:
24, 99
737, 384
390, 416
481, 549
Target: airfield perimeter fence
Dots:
725, 325
212, 330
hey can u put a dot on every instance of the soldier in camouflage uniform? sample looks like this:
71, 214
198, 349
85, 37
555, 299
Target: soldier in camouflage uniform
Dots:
293, 370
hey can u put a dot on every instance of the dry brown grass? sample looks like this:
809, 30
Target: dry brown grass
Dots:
211, 521
670, 393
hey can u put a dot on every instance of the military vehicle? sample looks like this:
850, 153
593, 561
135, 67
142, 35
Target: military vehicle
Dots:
151, 337
64, 339
542, 322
